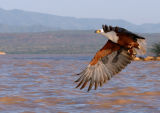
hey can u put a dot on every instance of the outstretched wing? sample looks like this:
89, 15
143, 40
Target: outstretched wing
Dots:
107, 62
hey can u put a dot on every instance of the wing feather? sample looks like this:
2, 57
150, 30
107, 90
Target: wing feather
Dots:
107, 62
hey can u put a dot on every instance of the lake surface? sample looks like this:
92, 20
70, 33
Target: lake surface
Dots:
45, 84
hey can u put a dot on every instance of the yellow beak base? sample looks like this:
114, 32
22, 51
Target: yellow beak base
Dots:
97, 31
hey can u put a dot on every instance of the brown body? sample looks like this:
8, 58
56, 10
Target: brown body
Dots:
127, 41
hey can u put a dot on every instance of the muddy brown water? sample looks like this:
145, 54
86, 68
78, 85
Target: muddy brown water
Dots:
45, 84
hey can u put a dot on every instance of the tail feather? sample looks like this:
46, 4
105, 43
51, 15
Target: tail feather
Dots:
142, 47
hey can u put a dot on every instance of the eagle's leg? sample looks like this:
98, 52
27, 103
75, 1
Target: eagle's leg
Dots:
133, 44
136, 45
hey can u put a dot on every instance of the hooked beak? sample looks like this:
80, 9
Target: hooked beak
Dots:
97, 31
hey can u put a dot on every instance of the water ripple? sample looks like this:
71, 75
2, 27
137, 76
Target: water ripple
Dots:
45, 84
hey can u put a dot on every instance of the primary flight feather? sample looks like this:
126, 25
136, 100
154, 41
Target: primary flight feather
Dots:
122, 46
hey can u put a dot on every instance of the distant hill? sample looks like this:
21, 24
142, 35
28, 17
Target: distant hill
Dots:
24, 21
58, 42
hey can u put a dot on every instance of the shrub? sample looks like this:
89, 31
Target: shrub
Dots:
156, 49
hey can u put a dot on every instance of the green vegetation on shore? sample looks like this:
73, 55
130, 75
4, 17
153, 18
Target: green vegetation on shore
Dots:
156, 48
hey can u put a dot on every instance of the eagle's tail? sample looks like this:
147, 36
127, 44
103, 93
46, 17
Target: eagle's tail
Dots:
142, 47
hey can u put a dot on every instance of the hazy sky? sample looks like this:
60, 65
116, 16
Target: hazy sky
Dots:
135, 11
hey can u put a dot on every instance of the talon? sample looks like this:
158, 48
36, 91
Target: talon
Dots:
134, 53
133, 56
129, 51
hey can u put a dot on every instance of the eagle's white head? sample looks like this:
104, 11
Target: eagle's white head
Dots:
111, 35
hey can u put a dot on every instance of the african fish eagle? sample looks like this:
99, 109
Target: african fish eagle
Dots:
121, 48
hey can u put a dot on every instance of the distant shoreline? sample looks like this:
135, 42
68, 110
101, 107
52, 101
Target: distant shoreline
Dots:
90, 56
148, 58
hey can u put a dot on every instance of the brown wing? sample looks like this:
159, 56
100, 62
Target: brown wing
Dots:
107, 62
